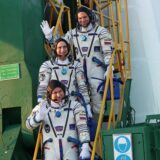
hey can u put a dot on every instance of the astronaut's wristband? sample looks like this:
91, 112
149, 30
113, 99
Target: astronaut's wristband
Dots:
87, 141
51, 40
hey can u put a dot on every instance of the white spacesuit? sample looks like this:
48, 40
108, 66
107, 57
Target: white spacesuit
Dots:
91, 41
60, 121
69, 73
94, 42
64, 69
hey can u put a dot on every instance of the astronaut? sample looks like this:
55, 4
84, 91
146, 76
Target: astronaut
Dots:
90, 40
66, 70
61, 118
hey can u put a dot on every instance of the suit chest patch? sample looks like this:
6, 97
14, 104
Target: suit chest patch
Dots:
84, 49
47, 128
58, 128
42, 77
96, 48
72, 126
65, 82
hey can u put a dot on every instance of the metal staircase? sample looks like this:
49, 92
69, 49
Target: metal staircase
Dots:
109, 13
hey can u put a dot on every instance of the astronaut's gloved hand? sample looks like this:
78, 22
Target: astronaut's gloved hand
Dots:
39, 99
89, 111
107, 71
85, 154
47, 31
43, 111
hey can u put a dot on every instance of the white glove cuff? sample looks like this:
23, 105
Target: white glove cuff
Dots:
51, 40
40, 99
107, 59
49, 37
85, 146
89, 111
38, 117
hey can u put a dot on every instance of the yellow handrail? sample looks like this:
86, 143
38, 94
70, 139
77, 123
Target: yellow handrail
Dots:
38, 142
58, 20
102, 105
127, 34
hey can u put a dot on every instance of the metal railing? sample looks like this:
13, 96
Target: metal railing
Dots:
120, 56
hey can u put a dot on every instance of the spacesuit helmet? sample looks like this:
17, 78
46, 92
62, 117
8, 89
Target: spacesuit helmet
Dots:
52, 85
67, 44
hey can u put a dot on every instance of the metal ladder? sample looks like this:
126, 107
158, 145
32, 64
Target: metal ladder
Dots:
120, 59
110, 16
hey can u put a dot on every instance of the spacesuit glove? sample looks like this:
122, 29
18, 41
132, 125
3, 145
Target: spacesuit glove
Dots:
47, 31
43, 111
85, 154
39, 99
107, 70
89, 112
